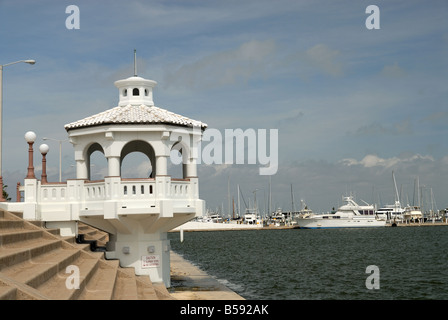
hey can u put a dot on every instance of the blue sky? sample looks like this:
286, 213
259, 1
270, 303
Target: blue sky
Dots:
351, 104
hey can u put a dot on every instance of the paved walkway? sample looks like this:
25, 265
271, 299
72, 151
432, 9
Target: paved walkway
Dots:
190, 283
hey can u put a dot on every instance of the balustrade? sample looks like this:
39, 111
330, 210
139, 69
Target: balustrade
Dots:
138, 189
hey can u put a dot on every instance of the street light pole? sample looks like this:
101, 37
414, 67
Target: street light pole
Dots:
2, 199
60, 155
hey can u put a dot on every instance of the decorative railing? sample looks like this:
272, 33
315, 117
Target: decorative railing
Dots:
125, 189
138, 188
56, 192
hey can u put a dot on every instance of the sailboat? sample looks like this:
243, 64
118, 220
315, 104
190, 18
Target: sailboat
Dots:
394, 212
414, 213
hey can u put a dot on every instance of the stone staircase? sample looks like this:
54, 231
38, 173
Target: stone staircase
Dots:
38, 264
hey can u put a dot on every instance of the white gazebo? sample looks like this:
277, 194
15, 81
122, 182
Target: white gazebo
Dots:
137, 212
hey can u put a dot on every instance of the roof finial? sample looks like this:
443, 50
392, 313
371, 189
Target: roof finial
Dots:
135, 62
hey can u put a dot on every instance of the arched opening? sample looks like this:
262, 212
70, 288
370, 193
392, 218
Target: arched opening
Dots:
96, 162
179, 158
137, 160
136, 165
125, 92
135, 92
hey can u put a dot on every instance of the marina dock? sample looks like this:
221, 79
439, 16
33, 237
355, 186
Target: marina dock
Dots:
192, 227
416, 224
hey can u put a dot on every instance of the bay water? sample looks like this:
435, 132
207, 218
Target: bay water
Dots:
406, 263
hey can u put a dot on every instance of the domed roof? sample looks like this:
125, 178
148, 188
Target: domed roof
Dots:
135, 114
135, 106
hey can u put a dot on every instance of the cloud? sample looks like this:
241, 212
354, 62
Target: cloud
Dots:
290, 120
325, 59
372, 160
393, 71
399, 128
224, 68
438, 117
220, 169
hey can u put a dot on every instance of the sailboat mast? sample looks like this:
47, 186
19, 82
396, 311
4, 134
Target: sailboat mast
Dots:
397, 197
292, 201
239, 208
228, 193
270, 196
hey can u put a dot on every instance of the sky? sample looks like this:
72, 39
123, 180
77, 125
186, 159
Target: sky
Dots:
351, 104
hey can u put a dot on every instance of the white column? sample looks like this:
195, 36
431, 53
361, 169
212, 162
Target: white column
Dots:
161, 165
113, 166
81, 169
191, 169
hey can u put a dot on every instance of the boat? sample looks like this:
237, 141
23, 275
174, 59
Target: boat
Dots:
215, 218
395, 212
211, 217
278, 218
349, 215
251, 217
304, 211
414, 213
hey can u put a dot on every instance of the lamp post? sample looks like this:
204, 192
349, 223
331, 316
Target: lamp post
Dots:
60, 155
44, 150
2, 199
30, 137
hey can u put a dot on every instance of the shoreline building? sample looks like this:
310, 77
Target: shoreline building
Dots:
138, 212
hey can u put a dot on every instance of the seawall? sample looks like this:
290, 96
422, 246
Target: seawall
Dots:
189, 282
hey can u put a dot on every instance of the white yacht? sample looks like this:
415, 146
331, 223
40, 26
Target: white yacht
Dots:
349, 215
393, 212
251, 217
413, 214
278, 218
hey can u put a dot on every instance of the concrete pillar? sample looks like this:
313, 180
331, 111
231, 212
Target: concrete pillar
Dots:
113, 166
190, 168
161, 165
81, 169
30, 199
147, 253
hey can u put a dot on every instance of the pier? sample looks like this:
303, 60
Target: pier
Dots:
416, 224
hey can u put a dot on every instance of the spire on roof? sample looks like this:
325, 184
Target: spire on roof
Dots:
135, 62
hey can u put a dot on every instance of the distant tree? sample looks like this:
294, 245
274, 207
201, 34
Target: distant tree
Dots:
5, 194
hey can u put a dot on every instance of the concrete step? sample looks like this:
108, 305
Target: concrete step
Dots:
35, 271
7, 292
101, 285
9, 237
126, 286
20, 291
40, 224
91, 233
62, 286
145, 288
34, 261
26, 250
11, 224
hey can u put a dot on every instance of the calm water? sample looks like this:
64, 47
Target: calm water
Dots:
323, 264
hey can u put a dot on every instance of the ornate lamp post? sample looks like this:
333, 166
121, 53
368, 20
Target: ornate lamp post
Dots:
44, 150
30, 137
